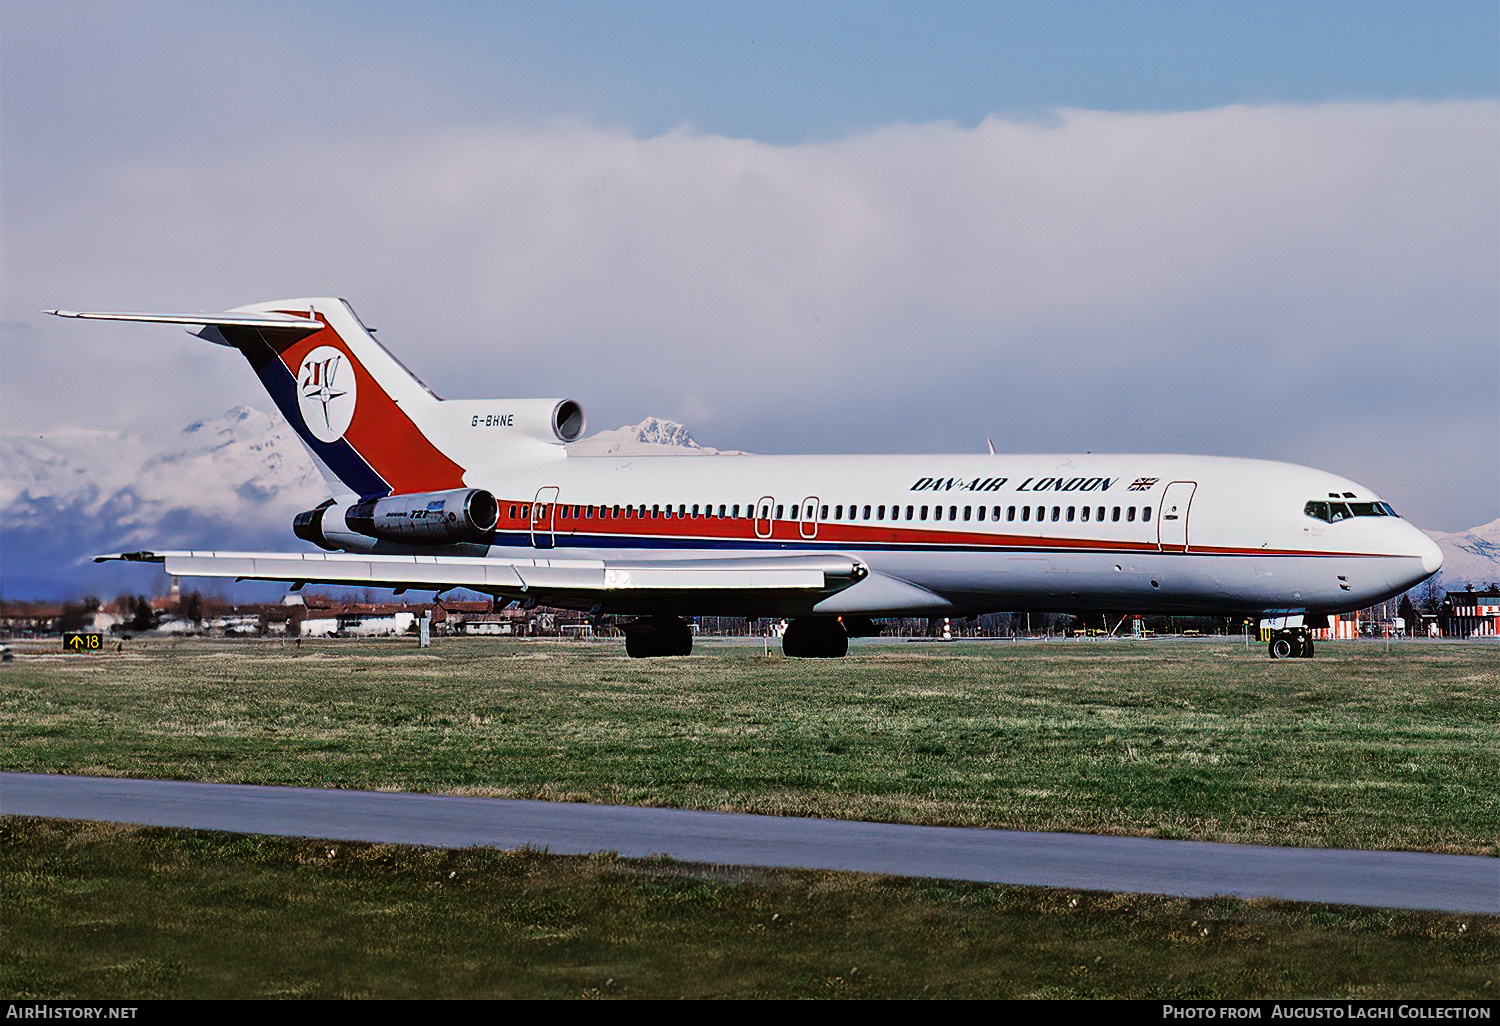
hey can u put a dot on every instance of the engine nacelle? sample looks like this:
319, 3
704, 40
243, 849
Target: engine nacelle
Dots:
423, 518
494, 426
427, 518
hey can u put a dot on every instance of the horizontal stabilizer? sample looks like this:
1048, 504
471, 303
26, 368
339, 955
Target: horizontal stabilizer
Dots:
228, 319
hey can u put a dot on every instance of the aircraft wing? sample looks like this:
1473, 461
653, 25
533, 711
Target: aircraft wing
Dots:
568, 583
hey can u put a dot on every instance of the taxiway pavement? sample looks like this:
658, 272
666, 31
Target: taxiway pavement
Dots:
1414, 880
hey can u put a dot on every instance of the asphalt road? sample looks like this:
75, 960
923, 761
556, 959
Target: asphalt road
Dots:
1452, 883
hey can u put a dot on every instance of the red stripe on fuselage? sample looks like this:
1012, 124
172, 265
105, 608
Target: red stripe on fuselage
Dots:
853, 536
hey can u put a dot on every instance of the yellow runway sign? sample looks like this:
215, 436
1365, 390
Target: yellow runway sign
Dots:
78, 641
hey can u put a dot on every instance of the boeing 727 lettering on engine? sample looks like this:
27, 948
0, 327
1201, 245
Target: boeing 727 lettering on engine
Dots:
431, 493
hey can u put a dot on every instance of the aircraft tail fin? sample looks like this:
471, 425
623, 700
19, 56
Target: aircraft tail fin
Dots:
369, 421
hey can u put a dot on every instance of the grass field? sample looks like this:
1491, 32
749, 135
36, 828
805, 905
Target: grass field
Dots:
102, 911
1204, 739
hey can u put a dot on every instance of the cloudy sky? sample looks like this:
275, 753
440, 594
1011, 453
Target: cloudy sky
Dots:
1245, 229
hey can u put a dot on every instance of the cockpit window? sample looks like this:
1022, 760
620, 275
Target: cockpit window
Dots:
1331, 512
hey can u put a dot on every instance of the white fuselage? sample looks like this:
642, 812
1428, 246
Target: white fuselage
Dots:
968, 534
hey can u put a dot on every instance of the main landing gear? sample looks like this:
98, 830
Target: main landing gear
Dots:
658, 636
815, 637
1291, 643
806, 637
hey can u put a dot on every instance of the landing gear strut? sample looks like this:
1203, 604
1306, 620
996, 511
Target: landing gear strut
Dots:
658, 636
1291, 643
815, 637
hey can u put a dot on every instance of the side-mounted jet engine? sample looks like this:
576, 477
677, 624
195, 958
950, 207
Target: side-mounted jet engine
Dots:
461, 515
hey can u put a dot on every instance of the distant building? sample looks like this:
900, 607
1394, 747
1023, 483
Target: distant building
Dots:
1340, 627
488, 624
1470, 614
28, 619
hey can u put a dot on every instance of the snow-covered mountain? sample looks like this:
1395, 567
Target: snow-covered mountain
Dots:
652, 436
232, 482
242, 465
1470, 558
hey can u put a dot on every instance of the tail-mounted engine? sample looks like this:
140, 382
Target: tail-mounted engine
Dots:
423, 518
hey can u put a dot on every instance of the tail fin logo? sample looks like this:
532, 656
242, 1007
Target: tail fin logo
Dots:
325, 393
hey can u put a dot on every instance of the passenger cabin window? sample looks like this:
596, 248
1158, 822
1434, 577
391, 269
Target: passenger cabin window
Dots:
1146, 513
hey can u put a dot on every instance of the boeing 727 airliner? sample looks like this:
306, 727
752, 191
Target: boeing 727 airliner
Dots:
431, 493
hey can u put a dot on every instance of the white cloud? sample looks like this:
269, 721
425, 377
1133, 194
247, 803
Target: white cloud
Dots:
1314, 283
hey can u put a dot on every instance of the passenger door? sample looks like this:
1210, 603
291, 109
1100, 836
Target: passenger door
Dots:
544, 518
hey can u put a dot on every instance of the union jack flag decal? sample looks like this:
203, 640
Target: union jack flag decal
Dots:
1143, 484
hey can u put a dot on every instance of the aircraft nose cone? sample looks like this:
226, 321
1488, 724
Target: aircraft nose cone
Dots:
1432, 556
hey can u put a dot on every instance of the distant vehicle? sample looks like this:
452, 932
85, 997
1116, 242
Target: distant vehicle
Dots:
483, 494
